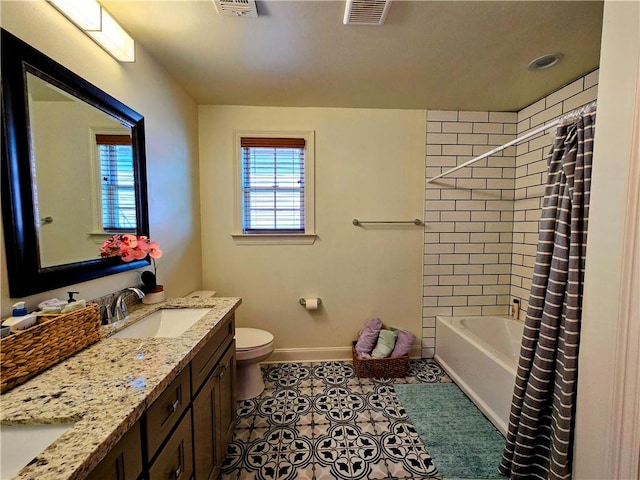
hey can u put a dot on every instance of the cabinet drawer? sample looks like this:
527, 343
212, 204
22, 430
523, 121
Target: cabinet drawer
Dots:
124, 461
163, 414
175, 461
204, 361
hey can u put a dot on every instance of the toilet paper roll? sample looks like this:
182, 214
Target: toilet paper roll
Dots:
311, 303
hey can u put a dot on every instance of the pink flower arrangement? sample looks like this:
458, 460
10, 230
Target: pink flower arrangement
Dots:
130, 248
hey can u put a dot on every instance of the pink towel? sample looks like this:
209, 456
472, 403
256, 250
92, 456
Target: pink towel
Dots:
404, 342
368, 337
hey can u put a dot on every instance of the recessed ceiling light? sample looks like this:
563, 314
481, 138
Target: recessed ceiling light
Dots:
545, 61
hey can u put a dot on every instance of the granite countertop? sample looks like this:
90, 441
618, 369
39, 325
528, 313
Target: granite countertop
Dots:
105, 389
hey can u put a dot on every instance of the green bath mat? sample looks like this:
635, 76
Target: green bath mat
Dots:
462, 442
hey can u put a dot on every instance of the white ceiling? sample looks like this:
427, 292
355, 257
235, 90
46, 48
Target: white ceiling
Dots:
454, 55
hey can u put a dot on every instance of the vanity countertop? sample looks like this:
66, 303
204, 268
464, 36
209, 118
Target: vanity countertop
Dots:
105, 389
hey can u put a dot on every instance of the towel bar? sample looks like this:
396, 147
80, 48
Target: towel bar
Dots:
415, 221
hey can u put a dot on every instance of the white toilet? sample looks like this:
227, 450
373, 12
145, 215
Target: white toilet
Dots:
252, 347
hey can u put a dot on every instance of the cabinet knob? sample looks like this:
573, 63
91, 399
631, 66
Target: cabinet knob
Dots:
177, 472
222, 370
174, 406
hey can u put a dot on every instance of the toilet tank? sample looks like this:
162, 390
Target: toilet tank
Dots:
202, 294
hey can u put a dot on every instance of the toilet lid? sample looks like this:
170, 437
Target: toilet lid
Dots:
247, 338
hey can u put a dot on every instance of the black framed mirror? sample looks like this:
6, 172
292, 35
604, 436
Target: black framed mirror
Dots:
58, 201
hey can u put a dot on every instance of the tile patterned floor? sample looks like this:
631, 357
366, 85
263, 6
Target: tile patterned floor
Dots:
318, 421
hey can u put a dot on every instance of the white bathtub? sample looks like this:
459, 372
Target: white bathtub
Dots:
481, 355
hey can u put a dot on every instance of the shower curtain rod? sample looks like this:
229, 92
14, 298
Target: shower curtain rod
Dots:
530, 134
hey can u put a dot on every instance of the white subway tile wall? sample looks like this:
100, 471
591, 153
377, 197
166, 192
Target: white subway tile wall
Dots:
481, 222
467, 247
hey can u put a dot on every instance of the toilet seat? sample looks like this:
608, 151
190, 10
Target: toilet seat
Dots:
252, 339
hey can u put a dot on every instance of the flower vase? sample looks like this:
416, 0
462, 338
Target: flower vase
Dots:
155, 296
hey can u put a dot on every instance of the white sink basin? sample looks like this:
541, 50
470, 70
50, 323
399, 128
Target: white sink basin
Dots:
19, 444
167, 322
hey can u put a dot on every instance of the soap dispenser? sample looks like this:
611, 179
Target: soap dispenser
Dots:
20, 319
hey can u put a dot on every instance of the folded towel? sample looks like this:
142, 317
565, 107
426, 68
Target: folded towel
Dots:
386, 341
51, 310
368, 337
54, 302
77, 305
404, 342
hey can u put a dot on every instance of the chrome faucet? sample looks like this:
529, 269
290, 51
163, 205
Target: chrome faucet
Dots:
120, 311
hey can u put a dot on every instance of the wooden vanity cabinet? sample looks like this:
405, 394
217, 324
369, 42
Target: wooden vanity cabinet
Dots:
185, 432
124, 461
211, 414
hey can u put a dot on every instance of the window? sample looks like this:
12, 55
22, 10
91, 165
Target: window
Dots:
272, 185
275, 179
115, 155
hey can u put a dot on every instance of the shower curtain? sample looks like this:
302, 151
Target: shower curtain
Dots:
540, 436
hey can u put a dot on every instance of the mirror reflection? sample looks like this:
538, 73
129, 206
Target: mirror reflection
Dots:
77, 147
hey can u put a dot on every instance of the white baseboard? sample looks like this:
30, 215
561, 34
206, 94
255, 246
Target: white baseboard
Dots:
320, 354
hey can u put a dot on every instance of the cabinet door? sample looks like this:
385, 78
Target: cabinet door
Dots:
205, 430
226, 397
214, 413
175, 460
124, 461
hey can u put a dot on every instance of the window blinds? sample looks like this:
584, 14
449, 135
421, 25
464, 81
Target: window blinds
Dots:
117, 179
273, 185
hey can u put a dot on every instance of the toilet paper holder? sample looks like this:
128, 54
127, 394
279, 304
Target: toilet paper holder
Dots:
303, 301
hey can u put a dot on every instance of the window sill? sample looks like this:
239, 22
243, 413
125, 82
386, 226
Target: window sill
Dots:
275, 239
98, 237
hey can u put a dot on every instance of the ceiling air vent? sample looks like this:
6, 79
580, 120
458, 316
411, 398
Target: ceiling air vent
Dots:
236, 8
366, 12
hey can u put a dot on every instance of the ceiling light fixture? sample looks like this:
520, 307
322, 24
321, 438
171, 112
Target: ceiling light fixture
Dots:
85, 15
114, 39
92, 19
545, 61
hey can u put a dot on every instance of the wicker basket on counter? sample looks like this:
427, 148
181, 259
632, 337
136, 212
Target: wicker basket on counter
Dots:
379, 367
27, 353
